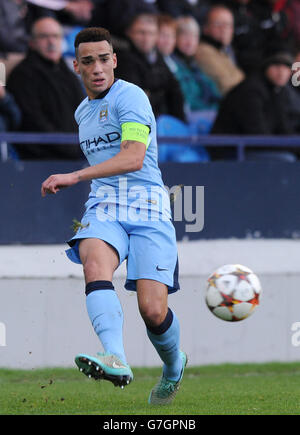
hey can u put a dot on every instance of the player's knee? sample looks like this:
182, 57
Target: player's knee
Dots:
94, 270
90, 267
152, 315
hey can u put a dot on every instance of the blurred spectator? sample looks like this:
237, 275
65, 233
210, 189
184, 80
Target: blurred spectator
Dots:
292, 10
200, 91
71, 14
166, 43
248, 37
13, 32
65, 11
258, 23
167, 125
143, 65
116, 15
264, 103
215, 54
46, 91
180, 8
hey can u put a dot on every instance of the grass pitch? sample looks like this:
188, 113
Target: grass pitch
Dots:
266, 389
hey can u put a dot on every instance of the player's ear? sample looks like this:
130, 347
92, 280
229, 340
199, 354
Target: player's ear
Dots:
115, 61
76, 66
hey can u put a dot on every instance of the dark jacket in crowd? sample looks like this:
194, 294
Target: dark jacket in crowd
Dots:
256, 27
199, 90
257, 107
48, 95
155, 78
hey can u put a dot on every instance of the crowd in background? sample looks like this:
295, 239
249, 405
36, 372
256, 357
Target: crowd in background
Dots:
207, 66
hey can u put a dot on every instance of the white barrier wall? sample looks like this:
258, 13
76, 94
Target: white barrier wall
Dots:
43, 319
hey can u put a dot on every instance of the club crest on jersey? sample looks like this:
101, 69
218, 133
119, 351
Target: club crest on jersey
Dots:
103, 116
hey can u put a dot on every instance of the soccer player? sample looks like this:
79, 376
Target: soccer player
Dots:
127, 217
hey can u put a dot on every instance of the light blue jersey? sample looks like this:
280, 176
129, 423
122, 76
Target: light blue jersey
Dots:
100, 122
131, 212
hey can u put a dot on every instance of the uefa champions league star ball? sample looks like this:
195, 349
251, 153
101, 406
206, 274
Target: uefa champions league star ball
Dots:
233, 292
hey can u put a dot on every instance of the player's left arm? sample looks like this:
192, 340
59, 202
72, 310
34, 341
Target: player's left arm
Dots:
130, 158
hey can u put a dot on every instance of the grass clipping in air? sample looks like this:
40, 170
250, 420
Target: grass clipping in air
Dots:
77, 225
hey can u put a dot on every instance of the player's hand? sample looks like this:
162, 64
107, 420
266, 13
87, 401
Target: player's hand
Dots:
57, 181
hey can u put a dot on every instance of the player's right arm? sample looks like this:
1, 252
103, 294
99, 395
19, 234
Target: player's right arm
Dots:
130, 158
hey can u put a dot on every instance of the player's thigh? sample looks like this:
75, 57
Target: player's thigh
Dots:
152, 254
99, 259
152, 301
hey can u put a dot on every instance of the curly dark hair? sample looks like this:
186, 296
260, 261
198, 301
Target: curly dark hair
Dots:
92, 34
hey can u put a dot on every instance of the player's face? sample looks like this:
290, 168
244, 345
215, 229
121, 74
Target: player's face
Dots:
95, 63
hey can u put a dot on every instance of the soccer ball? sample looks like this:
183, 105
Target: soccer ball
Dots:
233, 292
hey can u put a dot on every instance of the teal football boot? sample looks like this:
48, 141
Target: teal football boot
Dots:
165, 390
105, 366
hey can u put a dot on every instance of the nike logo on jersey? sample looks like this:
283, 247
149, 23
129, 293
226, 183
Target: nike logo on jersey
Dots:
160, 268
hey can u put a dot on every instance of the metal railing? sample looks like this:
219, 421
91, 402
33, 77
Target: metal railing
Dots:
240, 142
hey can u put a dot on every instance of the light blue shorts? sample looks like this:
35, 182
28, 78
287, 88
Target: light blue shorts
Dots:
148, 245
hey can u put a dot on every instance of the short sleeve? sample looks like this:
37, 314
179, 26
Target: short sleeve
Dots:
133, 106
